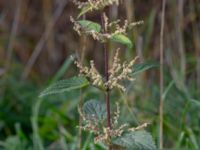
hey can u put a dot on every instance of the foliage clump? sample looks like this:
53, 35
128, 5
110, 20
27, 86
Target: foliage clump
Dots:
98, 118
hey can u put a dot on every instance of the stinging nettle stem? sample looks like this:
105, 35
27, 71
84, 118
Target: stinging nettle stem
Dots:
106, 67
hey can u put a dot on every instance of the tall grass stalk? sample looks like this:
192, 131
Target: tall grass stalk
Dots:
161, 75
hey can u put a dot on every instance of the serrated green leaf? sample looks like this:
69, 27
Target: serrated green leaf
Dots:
94, 108
65, 85
89, 25
139, 68
120, 38
137, 140
84, 10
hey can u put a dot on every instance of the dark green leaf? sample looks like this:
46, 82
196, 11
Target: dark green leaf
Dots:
65, 85
120, 38
89, 25
93, 108
138, 140
138, 68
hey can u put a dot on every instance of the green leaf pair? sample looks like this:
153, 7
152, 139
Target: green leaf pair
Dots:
93, 26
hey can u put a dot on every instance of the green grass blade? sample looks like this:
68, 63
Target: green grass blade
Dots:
63, 68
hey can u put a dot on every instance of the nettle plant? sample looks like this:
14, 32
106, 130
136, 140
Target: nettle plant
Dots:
96, 115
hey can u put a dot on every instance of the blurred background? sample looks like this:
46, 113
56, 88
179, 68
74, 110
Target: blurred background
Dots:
36, 42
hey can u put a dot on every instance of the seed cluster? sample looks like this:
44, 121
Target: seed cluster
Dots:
117, 73
90, 124
140, 127
116, 115
95, 4
77, 27
108, 133
104, 134
91, 73
120, 72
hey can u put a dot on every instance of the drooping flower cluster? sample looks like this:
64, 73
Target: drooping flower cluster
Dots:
120, 72
90, 124
107, 133
144, 125
117, 73
91, 73
116, 115
95, 4
77, 27
111, 29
